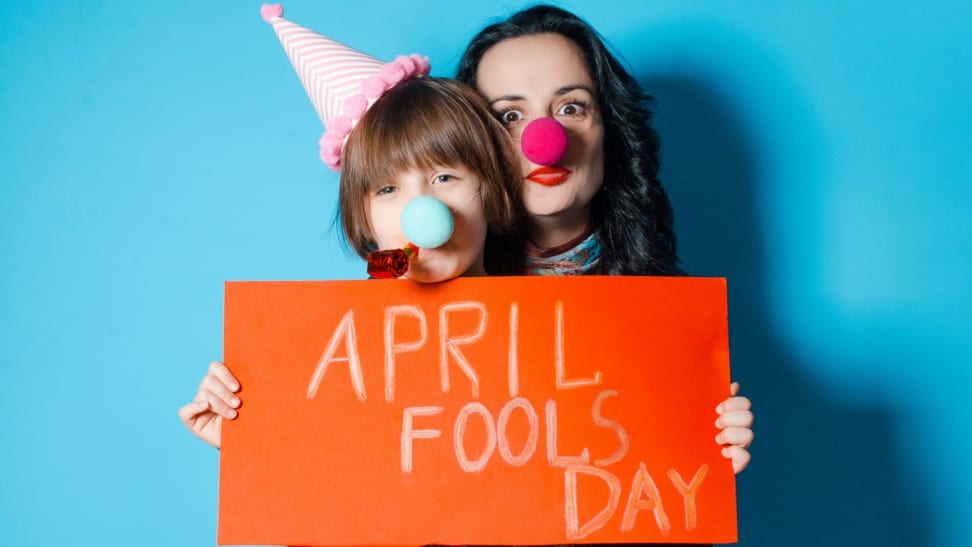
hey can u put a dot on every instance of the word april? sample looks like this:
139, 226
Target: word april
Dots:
449, 348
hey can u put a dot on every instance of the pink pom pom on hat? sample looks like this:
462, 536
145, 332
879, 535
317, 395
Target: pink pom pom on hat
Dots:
342, 82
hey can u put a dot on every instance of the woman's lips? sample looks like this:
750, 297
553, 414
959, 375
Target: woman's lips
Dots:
549, 176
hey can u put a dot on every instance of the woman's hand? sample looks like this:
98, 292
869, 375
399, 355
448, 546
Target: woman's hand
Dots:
735, 422
214, 401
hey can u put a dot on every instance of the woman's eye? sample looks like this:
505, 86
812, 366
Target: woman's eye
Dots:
510, 117
572, 109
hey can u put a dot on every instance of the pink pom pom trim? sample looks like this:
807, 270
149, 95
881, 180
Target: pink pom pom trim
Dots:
355, 106
406, 63
392, 73
332, 142
422, 66
373, 87
340, 125
332, 161
271, 11
331, 149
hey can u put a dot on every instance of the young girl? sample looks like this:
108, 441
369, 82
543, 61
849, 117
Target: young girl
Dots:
397, 135
436, 138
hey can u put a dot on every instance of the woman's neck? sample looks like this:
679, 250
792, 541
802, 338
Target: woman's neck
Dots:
547, 232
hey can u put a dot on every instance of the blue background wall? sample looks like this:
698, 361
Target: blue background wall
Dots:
816, 154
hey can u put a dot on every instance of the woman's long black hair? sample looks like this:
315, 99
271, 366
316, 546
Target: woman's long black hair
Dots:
631, 211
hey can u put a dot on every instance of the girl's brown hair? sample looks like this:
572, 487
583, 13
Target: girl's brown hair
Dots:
426, 123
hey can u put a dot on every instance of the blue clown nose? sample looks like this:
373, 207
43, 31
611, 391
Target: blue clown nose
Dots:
427, 222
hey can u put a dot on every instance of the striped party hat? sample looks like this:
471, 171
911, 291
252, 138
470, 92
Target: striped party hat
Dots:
342, 82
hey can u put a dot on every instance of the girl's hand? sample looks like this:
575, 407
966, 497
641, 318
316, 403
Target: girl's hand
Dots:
735, 421
214, 401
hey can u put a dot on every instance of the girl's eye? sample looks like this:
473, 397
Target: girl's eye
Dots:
572, 109
439, 179
510, 117
385, 190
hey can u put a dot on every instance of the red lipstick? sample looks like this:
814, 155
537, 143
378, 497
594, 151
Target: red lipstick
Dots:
549, 176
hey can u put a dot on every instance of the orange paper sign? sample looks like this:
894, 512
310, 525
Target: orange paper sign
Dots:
480, 411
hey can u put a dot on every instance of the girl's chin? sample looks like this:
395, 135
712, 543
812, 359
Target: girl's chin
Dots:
431, 278
442, 269
432, 273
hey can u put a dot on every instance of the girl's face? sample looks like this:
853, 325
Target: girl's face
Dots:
459, 189
539, 75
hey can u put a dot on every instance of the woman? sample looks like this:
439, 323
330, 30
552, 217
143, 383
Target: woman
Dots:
599, 208
545, 61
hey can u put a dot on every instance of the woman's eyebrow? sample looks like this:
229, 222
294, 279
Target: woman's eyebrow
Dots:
568, 88
506, 98
560, 91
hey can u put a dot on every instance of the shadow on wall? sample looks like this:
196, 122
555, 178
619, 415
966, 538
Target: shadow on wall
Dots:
822, 473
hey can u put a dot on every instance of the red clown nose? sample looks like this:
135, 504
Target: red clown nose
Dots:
544, 141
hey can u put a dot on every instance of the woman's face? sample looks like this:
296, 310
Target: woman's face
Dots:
540, 75
459, 189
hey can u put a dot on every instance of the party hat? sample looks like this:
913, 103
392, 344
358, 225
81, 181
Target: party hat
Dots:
342, 82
